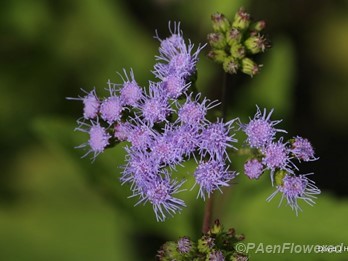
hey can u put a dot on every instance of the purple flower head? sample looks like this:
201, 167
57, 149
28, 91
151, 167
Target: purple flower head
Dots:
186, 138
98, 138
212, 175
140, 135
160, 193
165, 149
121, 130
276, 156
294, 188
174, 41
140, 170
184, 245
130, 93
193, 112
302, 149
260, 130
111, 108
155, 107
216, 138
91, 104
174, 86
182, 64
175, 57
253, 168
216, 255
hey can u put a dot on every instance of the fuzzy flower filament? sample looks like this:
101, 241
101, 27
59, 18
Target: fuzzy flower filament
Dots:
130, 93
294, 188
302, 149
216, 138
111, 109
160, 194
211, 175
260, 130
253, 168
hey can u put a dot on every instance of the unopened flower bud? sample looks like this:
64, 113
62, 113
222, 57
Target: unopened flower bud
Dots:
250, 67
241, 19
233, 36
237, 51
279, 176
216, 228
168, 252
220, 22
239, 237
217, 55
217, 40
230, 65
256, 44
231, 232
205, 244
258, 26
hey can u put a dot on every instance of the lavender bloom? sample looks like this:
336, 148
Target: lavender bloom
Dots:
193, 112
174, 86
184, 245
155, 107
160, 194
276, 156
253, 168
174, 41
175, 57
130, 92
140, 170
165, 149
294, 188
140, 135
91, 104
260, 130
186, 138
216, 138
98, 138
111, 109
121, 130
302, 149
212, 175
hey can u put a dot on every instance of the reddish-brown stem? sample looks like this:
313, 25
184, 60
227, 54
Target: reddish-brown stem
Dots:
208, 209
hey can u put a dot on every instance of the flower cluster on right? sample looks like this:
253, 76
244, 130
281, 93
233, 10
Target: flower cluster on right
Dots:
277, 157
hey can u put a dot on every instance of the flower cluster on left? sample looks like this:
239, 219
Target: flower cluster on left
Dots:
164, 125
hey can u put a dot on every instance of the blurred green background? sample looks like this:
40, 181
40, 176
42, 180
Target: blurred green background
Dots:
56, 206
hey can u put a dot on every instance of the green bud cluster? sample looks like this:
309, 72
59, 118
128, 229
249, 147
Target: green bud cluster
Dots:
216, 240
234, 42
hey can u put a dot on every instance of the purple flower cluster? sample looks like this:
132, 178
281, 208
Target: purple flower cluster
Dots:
164, 126
277, 157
